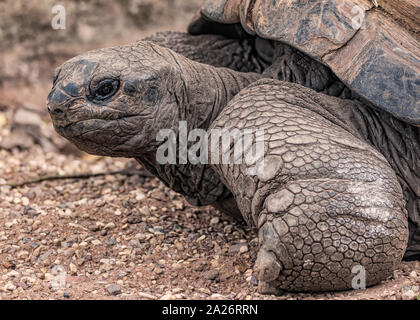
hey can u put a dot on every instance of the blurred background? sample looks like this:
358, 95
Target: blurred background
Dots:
37, 36
30, 49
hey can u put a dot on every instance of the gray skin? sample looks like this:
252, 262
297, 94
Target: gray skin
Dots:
326, 200
398, 141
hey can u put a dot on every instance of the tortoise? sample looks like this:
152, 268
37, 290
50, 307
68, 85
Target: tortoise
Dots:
330, 175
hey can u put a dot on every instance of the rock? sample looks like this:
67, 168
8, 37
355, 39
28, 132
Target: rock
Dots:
114, 289
179, 205
212, 275
214, 221
228, 229
25, 201
145, 210
243, 249
65, 213
200, 266
96, 242
267, 288
158, 230
73, 269
10, 287
158, 271
27, 129
110, 225
17, 139
34, 244
146, 296
12, 274
140, 196
254, 280
133, 220
10, 223
94, 228
111, 242
140, 237
30, 212
3, 119
27, 118
31, 195
238, 248
69, 252
409, 295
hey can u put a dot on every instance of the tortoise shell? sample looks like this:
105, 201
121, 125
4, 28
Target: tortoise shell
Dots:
372, 46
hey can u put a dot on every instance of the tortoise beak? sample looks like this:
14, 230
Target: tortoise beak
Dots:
57, 105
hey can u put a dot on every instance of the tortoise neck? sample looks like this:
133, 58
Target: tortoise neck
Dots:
208, 90
202, 93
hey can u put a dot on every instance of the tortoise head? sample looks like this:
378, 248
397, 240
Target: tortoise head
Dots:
114, 101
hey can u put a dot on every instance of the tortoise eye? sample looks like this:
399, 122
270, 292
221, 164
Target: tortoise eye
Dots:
105, 89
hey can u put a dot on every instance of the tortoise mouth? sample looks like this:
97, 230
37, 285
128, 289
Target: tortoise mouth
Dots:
79, 128
94, 136
101, 137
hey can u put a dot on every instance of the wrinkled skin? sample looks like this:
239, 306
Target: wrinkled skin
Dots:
398, 141
327, 200
165, 89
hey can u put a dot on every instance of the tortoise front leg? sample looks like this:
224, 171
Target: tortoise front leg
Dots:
215, 50
323, 201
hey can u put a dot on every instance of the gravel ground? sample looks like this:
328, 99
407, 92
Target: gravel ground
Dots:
110, 236
121, 236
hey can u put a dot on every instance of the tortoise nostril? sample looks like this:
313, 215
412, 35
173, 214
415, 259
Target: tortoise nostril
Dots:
58, 112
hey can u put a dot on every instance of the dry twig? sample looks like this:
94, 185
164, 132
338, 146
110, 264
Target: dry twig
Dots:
54, 177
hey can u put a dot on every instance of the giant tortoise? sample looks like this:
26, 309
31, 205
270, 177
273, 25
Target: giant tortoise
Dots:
332, 86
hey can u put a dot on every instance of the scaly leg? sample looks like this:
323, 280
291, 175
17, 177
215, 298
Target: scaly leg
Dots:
324, 201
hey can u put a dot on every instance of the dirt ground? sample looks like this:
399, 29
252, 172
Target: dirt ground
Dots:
115, 232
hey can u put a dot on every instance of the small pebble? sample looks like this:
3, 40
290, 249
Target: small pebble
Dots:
238, 248
114, 289
409, 295
214, 221
211, 275
94, 228
111, 242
